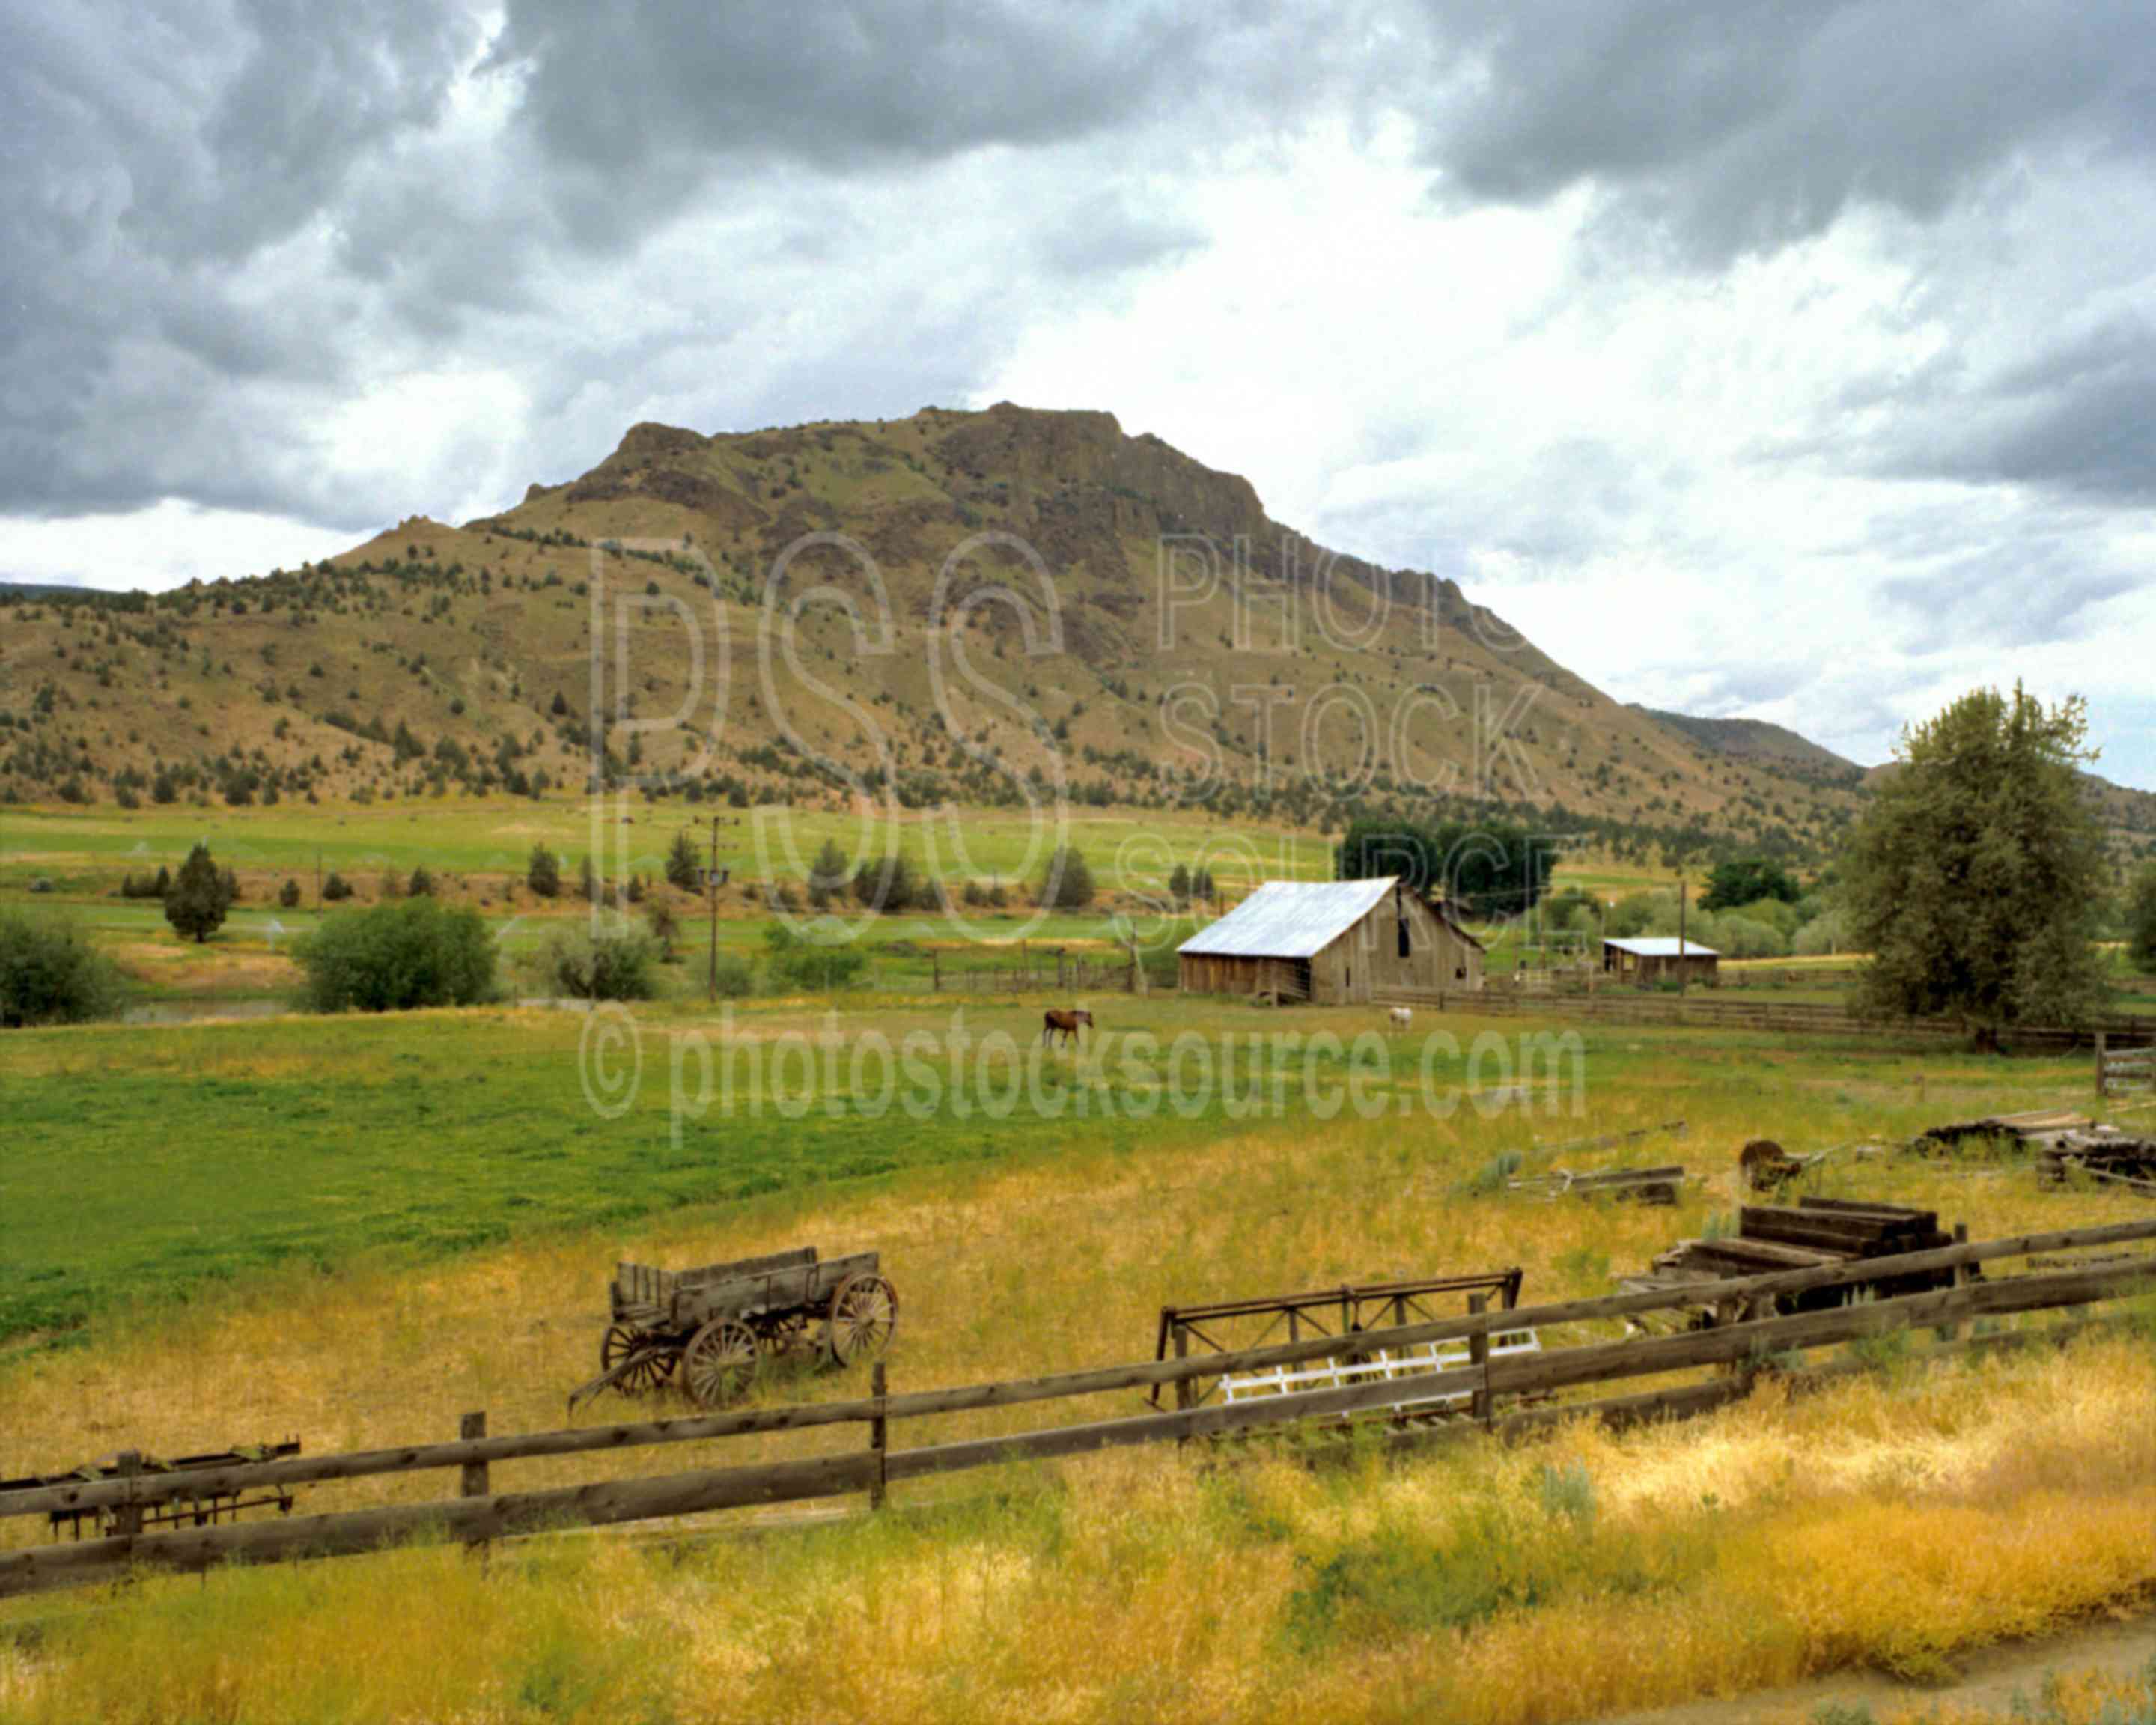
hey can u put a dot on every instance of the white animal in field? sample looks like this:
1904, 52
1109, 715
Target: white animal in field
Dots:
1402, 1018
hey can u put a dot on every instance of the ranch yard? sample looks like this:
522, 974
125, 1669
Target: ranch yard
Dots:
356, 1233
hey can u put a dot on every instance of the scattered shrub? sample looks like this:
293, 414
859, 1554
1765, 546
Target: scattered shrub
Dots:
1068, 884
337, 888
50, 974
393, 958
288, 894
797, 963
615, 961
543, 873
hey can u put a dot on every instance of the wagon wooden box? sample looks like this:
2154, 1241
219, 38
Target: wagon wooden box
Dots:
709, 1324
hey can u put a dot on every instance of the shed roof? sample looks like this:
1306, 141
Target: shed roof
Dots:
1663, 946
1290, 919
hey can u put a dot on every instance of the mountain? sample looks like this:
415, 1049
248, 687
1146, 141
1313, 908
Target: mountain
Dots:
1112, 609
1774, 746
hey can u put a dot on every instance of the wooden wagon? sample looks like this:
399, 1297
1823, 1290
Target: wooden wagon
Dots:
709, 1324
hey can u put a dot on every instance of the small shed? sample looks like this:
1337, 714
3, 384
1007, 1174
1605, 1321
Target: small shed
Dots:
1330, 942
1649, 959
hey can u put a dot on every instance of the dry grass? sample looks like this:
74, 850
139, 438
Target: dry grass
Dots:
1712, 1558
1893, 1521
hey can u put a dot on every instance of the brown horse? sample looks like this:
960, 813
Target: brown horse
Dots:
1069, 1022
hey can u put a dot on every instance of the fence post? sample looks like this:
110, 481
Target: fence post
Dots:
1478, 1354
127, 1517
472, 1481
1952, 1332
879, 1433
935, 972
2099, 1066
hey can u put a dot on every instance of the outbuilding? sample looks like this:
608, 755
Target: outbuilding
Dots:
1330, 942
1649, 959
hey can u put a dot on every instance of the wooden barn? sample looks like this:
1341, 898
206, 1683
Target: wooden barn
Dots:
1330, 942
1659, 958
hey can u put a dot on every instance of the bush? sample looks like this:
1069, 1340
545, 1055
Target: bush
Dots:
617, 961
735, 979
50, 974
288, 894
395, 956
543, 873
422, 883
798, 963
1068, 883
681, 864
665, 927
886, 884
337, 888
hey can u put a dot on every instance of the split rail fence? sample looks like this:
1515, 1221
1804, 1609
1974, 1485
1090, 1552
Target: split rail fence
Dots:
2123, 1071
1741, 1345
1781, 1016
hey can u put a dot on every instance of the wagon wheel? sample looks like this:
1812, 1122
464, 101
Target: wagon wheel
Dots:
649, 1373
718, 1362
864, 1314
783, 1334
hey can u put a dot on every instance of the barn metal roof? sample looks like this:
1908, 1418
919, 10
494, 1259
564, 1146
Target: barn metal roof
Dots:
1663, 946
1290, 919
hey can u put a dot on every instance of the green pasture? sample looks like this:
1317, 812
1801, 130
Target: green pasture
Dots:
149, 1165
83, 852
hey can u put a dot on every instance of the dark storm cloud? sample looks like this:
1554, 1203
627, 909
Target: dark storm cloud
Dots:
2079, 418
622, 86
1736, 124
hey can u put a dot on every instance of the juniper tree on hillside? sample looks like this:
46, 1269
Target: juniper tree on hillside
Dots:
1975, 877
195, 904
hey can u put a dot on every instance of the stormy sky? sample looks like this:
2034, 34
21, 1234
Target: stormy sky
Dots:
1778, 357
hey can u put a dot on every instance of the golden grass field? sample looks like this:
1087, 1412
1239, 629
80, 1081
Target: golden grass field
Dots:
1895, 1520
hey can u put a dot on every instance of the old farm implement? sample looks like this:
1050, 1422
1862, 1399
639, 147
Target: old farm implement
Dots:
179, 1509
1813, 1233
709, 1325
1346, 1311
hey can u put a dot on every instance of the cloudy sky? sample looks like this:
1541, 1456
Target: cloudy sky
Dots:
1794, 358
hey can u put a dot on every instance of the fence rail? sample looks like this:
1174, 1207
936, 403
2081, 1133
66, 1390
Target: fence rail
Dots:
479, 1515
2121, 1072
1789, 1016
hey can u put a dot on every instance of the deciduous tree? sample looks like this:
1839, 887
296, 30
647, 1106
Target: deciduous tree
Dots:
1974, 878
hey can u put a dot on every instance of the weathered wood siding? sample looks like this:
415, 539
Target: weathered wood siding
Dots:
1363, 960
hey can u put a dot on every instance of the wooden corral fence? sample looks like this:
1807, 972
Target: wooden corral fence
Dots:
480, 1513
1784, 1017
2124, 1071
1050, 968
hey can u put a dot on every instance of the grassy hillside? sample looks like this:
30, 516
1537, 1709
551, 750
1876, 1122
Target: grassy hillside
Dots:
1183, 648
1758, 741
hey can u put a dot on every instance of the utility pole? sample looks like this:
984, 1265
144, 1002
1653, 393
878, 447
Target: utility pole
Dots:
711, 888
